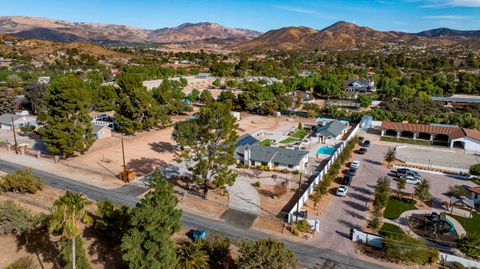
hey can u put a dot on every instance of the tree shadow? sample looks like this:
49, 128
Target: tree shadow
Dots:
44, 249
357, 206
144, 166
350, 225
105, 251
355, 214
359, 197
266, 193
373, 162
362, 190
162, 147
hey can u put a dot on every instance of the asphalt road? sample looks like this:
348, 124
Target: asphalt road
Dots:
308, 256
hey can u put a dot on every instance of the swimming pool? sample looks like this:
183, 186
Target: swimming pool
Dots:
326, 150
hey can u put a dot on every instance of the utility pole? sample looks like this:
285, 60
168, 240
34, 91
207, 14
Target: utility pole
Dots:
14, 137
124, 166
298, 202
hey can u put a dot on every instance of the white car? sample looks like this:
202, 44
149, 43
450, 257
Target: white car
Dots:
342, 190
355, 164
412, 180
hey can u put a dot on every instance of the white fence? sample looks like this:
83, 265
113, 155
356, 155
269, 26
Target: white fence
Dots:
377, 241
303, 199
447, 258
366, 238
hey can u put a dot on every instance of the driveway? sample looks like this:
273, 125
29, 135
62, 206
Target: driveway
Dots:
244, 197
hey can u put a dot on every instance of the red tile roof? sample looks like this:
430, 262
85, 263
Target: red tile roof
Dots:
452, 132
475, 189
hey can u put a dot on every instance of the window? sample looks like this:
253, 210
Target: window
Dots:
476, 196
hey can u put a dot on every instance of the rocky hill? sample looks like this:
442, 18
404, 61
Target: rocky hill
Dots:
342, 35
57, 30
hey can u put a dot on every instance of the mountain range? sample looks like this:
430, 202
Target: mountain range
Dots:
339, 35
57, 30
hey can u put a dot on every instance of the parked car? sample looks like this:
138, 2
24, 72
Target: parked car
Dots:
366, 144
342, 191
352, 171
400, 172
346, 180
355, 164
301, 214
362, 151
412, 180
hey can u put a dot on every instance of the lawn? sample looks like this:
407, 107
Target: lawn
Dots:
288, 140
405, 140
395, 207
471, 225
389, 228
266, 142
300, 134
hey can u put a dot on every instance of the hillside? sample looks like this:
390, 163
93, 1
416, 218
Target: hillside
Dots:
56, 30
49, 50
341, 35
446, 32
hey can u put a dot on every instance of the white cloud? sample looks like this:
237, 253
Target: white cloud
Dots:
446, 17
297, 10
450, 3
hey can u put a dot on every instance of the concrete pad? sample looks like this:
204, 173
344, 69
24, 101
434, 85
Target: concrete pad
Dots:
244, 197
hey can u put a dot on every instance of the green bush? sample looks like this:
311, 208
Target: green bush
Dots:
22, 263
408, 249
458, 191
469, 245
475, 169
27, 128
456, 265
302, 226
21, 181
256, 184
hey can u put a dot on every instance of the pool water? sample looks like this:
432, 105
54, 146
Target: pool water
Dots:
326, 150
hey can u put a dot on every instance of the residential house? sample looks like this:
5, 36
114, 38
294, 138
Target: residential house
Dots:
19, 120
475, 195
359, 85
331, 130
203, 75
101, 131
272, 157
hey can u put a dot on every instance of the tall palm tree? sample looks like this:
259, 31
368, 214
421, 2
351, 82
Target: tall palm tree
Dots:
192, 256
67, 212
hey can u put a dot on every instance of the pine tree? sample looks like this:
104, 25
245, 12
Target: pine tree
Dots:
148, 244
211, 138
136, 109
265, 253
68, 128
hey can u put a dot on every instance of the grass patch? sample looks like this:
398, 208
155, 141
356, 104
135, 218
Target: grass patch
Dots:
471, 225
300, 134
405, 140
266, 142
475, 180
395, 207
288, 140
390, 229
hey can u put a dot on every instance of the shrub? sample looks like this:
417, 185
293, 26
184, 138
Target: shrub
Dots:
27, 128
469, 245
458, 191
256, 184
374, 222
475, 169
266, 254
303, 226
456, 265
21, 181
408, 249
22, 263
280, 188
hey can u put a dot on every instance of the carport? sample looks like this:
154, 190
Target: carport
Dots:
452, 136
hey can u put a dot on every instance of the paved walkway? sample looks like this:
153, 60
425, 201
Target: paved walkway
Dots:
244, 197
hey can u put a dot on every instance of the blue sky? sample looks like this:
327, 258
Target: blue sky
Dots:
262, 15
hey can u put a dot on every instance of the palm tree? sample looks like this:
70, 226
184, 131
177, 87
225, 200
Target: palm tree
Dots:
390, 156
67, 212
192, 256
